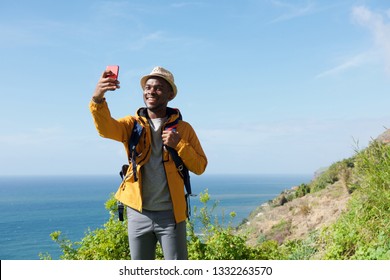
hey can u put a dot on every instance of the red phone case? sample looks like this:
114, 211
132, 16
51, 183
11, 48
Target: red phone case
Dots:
115, 70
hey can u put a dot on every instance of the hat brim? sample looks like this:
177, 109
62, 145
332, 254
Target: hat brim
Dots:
145, 78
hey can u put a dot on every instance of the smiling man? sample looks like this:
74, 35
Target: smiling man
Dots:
153, 189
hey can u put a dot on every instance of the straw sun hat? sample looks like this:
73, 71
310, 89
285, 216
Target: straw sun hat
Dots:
159, 71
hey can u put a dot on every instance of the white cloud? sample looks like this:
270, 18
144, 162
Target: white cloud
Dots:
352, 62
30, 33
56, 150
32, 137
188, 4
379, 25
292, 10
108, 11
142, 42
160, 38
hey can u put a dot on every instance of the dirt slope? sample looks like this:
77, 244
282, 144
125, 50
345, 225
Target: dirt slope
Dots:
297, 218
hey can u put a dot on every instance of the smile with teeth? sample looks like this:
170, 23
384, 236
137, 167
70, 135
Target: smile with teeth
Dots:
151, 100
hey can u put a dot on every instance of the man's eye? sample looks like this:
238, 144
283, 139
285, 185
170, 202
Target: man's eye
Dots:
156, 88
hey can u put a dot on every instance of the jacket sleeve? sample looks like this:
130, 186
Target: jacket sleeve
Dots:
191, 151
107, 126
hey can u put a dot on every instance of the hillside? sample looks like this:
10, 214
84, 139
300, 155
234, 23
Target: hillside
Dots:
337, 215
297, 218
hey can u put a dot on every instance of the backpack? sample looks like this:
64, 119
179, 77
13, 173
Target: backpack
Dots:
180, 166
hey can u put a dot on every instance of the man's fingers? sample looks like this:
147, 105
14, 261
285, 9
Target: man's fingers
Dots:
170, 138
106, 74
109, 85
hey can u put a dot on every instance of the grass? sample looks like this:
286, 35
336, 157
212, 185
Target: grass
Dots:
363, 231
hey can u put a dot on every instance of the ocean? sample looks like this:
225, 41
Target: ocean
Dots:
31, 208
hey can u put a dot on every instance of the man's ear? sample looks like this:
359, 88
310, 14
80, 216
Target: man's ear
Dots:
171, 95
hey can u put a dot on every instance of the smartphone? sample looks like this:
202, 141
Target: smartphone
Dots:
115, 71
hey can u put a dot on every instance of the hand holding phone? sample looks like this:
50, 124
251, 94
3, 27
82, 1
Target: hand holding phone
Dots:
104, 84
114, 70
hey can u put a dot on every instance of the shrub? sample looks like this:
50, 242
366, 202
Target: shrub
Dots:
107, 243
302, 190
301, 249
340, 170
216, 241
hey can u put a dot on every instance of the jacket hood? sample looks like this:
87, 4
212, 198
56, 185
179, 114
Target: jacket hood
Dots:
173, 114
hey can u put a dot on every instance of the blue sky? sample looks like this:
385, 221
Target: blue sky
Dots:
269, 86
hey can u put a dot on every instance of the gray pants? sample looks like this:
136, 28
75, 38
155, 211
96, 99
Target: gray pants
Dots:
148, 227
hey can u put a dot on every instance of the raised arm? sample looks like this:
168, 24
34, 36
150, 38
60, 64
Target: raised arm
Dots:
107, 126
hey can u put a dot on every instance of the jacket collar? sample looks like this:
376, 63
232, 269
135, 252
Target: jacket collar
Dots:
173, 114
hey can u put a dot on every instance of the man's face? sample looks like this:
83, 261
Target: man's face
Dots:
157, 94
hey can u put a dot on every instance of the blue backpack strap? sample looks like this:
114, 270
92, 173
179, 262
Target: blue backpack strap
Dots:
133, 142
180, 166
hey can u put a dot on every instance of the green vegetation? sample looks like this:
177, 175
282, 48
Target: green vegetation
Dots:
362, 232
338, 171
107, 243
215, 242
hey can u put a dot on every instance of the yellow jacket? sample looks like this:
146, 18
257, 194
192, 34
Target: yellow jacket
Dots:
189, 149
